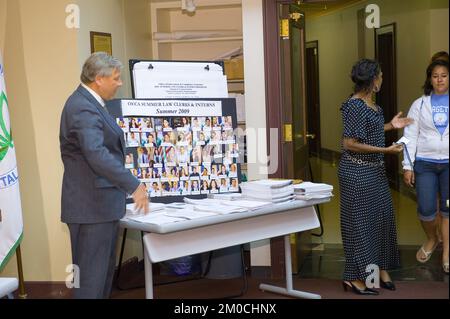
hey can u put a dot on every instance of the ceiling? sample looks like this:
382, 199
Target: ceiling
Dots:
312, 8
316, 8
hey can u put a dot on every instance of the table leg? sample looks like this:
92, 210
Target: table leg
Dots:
289, 291
148, 276
122, 248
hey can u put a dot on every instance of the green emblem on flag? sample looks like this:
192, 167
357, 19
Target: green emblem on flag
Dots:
5, 136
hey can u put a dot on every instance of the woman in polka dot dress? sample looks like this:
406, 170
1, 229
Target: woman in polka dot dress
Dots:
367, 215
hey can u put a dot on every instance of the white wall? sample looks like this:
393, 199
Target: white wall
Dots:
2, 23
138, 43
439, 26
255, 102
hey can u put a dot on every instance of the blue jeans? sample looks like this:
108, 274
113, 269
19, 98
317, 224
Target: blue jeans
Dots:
431, 180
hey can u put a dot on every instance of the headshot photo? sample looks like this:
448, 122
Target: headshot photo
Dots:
147, 125
129, 161
123, 124
214, 187
132, 139
135, 125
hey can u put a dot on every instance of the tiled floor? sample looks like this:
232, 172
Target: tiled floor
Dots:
329, 264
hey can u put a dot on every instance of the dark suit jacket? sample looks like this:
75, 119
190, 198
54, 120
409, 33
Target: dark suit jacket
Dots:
95, 180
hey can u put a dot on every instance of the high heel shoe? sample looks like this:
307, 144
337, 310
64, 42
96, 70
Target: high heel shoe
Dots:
387, 285
356, 290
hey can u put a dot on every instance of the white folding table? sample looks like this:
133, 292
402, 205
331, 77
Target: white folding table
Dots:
190, 237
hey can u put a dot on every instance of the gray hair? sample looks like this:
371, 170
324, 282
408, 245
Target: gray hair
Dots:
99, 63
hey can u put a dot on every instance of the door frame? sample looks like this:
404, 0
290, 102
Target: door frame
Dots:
274, 114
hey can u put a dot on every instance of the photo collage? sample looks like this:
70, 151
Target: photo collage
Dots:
178, 156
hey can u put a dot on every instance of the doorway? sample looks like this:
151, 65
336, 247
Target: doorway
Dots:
385, 54
313, 98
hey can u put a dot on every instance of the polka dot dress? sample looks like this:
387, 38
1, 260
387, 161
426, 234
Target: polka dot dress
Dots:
367, 216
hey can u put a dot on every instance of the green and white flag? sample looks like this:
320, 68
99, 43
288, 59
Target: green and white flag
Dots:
11, 224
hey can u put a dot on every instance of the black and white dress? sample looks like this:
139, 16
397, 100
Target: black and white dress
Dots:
367, 215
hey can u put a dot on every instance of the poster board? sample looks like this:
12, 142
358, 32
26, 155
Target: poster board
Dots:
180, 147
178, 79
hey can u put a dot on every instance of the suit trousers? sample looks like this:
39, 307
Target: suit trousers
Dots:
94, 252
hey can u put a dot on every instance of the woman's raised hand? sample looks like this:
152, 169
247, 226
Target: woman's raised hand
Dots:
399, 122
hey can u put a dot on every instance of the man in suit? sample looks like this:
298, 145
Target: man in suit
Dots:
95, 182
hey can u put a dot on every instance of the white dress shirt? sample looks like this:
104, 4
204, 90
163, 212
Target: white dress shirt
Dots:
94, 94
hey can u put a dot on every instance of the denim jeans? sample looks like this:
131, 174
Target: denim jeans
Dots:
431, 180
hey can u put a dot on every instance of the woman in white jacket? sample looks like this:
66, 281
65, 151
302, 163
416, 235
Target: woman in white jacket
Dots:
427, 157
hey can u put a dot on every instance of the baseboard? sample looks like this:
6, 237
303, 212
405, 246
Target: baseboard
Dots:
46, 290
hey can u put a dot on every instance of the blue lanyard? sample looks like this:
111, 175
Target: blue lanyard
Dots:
407, 155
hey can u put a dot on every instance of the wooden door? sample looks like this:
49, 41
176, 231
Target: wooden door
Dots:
313, 98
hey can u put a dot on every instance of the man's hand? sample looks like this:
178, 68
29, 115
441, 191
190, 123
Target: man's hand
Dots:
140, 198
409, 178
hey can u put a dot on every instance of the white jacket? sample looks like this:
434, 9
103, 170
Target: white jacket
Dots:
424, 138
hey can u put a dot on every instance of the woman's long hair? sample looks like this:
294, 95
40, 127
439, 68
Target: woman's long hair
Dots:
428, 86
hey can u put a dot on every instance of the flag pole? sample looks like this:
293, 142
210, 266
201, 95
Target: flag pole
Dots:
22, 293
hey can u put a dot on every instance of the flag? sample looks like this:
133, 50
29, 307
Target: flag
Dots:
11, 224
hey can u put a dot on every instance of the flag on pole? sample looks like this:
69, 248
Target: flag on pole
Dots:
11, 224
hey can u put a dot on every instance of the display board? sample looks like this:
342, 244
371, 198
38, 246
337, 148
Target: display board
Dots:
178, 79
180, 147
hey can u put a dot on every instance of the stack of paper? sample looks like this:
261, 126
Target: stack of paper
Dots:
249, 204
274, 191
308, 190
188, 214
170, 215
225, 196
204, 202
225, 206
154, 207
214, 206
155, 218
220, 209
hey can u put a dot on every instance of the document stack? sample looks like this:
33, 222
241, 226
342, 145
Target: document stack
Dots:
153, 207
226, 196
222, 207
269, 190
308, 191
